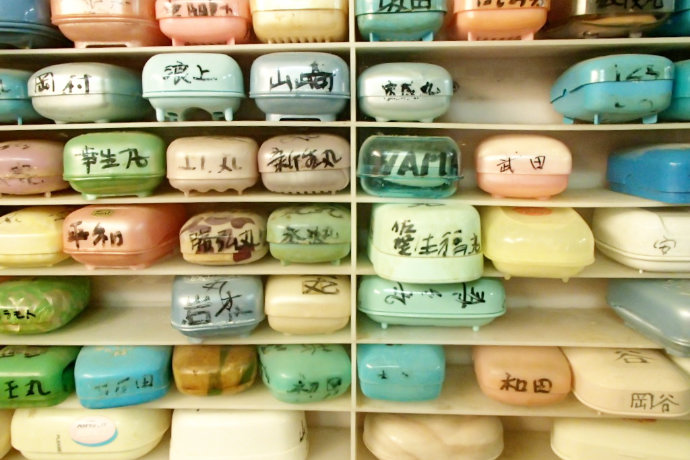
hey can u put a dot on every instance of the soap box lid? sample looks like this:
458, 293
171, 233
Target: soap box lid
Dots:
13, 84
426, 229
300, 74
64, 10
87, 432
221, 367
193, 9
308, 296
309, 224
306, 362
279, 5
194, 74
482, 298
195, 433
33, 230
30, 158
658, 307
422, 158
118, 154
663, 167
681, 82
523, 154
84, 78
19, 360
304, 152
401, 364
201, 302
30, 11
121, 228
470, 5
398, 79
207, 157
613, 68
661, 234
405, 6
594, 7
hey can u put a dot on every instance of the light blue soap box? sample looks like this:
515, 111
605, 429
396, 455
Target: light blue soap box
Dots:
401, 372
614, 89
657, 308
305, 373
678, 24
15, 103
121, 375
405, 21
175, 83
206, 306
658, 172
471, 304
679, 110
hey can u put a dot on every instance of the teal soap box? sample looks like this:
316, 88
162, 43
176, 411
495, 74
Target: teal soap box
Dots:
404, 20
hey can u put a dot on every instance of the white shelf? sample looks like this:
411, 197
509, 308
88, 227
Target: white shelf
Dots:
170, 125
151, 326
576, 327
324, 444
553, 127
518, 445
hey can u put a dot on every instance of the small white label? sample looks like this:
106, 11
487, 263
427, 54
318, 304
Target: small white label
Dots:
93, 431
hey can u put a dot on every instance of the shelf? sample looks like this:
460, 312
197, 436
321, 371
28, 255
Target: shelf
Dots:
176, 265
151, 326
258, 397
461, 395
575, 198
553, 127
324, 444
576, 327
518, 445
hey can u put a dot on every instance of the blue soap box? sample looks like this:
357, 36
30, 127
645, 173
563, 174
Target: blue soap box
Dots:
401, 372
405, 20
15, 103
121, 375
678, 24
658, 172
679, 110
615, 89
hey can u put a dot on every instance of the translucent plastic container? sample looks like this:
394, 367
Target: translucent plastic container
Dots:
206, 370
300, 21
214, 22
29, 167
497, 19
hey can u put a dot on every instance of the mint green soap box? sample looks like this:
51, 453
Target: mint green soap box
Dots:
305, 373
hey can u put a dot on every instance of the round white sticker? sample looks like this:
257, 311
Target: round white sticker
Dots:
93, 431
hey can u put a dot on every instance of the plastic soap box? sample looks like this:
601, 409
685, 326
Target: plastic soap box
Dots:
29, 167
400, 21
205, 370
15, 100
300, 21
498, 19
210, 22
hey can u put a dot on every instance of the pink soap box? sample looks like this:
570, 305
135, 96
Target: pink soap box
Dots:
498, 19
29, 167
211, 22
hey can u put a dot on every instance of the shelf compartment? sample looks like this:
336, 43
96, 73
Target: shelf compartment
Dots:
461, 395
576, 327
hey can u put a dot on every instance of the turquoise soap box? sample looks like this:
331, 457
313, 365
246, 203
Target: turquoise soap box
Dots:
678, 24
305, 373
471, 304
679, 110
121, 375
401, 372
657, 308
614, 89
658, 172
15, 103
175, 83
205, 306
409, 166
404, 20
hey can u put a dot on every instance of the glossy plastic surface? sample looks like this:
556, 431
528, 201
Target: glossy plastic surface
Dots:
36, 376
221, 305
5, 420
224, 237
471, 304
433, 437
629, 382
658, 172
32, 236
300, 21
30, 167
537, 242
175, 83
205, 370
406, 20
401, 372
657, 308
678, 24
15, 103
498, 20
26, 11
37, 305
523, 166
679, 110
305, 373
220, 163
122, 236
307, 163
309, 233
409, 166
121, 376
210, 434
660, 242
613, 89
524, 376
426, 243
119, 163
26, 24
404, 91
309, 304
96, 434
